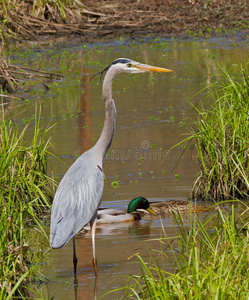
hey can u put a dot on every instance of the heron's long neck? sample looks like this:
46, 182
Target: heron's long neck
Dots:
105, 139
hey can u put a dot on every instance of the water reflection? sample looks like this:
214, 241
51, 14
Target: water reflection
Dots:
127, 229
84, 117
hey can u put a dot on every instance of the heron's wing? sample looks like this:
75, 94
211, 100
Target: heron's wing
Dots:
76, 201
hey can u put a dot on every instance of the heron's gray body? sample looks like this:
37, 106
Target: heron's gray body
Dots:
80, 191
83, 182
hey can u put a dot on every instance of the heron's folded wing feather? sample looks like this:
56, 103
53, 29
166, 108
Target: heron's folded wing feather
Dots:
76, 202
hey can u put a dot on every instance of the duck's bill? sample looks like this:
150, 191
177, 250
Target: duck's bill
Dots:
148, 68
150, 210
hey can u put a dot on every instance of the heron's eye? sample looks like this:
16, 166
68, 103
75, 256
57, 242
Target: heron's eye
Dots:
129, 65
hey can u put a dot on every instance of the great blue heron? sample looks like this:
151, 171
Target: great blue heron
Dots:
81, 189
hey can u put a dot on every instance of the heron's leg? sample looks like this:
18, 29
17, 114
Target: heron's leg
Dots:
93, 229
75, 260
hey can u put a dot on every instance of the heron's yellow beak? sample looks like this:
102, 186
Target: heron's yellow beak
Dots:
148, 68
150, 210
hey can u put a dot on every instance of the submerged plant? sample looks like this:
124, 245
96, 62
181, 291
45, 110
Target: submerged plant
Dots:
24, 195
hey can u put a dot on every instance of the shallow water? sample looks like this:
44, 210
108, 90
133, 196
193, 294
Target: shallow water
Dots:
117, 246
150, 112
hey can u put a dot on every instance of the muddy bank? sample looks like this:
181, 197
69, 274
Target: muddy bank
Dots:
97, 20
91, 19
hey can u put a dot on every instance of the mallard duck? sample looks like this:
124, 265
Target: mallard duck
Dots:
110, 215
140, 207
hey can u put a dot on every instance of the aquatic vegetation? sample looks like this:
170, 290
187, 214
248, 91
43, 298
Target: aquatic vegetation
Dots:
220, 136
25, 194
115, 184
183, 122
204, 263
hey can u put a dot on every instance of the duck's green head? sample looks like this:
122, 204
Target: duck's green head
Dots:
140, 203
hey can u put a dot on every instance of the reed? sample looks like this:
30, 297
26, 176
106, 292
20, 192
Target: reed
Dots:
23, 18
209, 262
220, 137
24, 196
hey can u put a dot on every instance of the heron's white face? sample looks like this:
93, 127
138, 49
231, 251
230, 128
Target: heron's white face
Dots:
127, 67
124, 65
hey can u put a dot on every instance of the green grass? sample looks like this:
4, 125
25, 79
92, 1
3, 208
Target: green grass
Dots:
220, 137
24, 195
203, 261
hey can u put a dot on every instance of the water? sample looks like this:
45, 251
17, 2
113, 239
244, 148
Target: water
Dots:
150, 112
116, 246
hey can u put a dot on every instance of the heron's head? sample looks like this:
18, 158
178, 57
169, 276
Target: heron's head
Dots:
125, 65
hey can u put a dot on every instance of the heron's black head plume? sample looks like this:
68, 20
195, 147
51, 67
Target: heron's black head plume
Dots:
101, 73
119, 60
